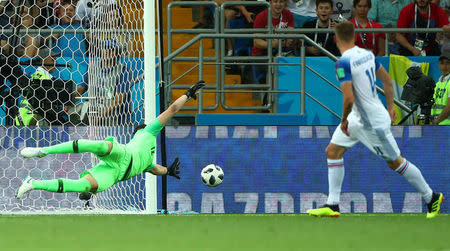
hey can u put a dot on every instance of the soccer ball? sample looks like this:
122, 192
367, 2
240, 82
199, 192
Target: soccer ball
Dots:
212, 175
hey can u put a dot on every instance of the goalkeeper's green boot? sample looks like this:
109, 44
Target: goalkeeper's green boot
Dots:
325, 211
435, 205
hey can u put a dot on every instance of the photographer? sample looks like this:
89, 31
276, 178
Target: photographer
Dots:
440, 110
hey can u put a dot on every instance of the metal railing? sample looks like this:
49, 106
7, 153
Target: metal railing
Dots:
221, 60
168, 61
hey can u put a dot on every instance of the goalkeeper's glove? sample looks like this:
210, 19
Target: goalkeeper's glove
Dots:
190, 93
172, 170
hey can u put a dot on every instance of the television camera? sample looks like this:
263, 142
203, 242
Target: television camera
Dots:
418, 90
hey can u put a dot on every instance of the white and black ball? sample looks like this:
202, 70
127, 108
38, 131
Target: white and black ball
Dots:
212, 175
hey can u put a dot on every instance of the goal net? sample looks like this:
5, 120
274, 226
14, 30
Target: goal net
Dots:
72, 71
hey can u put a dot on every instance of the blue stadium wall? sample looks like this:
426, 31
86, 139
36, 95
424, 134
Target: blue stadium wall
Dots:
289, 80
282, 169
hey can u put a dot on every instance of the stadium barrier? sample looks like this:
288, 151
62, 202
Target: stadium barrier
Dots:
268, 169
220, 87
282, 169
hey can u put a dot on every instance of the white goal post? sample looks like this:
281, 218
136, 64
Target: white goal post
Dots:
111, 49
150, 98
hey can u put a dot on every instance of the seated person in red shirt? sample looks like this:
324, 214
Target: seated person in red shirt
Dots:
324, 8
420, 14
281, 18
368, 40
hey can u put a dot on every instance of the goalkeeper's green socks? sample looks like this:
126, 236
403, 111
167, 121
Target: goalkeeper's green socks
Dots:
62, 185
78, 146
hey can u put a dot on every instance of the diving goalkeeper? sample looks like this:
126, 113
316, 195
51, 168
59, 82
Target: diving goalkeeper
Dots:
119, 162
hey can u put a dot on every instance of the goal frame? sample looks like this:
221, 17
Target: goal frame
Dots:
151, 195
151, 199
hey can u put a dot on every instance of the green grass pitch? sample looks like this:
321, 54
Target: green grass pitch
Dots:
224, 232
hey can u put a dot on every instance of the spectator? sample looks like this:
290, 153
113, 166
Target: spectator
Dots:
386, 13
252, 11
69, 44
324, 9
7, 12
206, 20
44, 13
8, 9
13, 46
282, 18
249, 15
231, 12
23, 44
4, 24
342, 10
420, 14
111, 86
205, 17
302, 10
368, 40
206, 13
440, 110
40, 10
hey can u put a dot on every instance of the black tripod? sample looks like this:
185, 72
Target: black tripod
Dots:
425, 115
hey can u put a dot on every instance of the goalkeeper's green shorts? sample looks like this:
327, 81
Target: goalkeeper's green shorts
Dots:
112, 167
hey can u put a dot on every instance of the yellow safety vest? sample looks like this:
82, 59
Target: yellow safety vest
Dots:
26, 115
441, 92
38, 74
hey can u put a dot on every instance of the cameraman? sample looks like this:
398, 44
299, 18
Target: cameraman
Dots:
32, 109
440, 111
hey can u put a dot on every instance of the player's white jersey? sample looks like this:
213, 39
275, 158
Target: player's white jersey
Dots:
359, 66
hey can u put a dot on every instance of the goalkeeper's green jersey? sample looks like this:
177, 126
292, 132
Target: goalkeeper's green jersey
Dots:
143, 148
